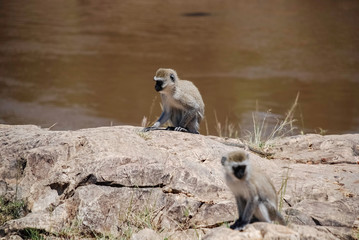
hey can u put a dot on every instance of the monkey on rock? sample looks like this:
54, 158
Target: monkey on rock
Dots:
181, 101
255, 194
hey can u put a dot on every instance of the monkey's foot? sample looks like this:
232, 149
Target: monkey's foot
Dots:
238, 225
178, 129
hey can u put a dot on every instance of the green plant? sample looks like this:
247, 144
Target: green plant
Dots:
10, 209
104, 236
34, 234
226, 224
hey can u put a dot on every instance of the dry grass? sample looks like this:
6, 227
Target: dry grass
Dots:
283, 189
262, 132
227, 130
145, 122
136, 219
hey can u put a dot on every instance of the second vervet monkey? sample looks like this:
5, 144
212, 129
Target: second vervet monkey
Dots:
255, 194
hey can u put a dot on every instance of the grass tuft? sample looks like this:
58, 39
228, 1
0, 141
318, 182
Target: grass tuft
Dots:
73, 230
136, 219
145, 122
33, 234
262, 133
11, 209
227, 130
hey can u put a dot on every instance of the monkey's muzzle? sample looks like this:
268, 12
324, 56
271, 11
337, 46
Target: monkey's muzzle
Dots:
239, 171
158, 85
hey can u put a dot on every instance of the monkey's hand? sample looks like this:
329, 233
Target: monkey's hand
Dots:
238, 225
153, 127
146, 129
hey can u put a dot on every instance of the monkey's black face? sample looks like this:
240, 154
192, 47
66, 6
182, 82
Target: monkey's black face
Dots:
159, 85
239, 171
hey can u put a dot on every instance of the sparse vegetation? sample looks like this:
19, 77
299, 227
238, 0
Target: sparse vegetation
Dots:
73, 230
145, 122
262, 133
283, 189
135, 219
144, 135
33, 234
10, 209
263, 128
227, 130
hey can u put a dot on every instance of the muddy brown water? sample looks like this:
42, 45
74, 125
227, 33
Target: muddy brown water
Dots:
91, 63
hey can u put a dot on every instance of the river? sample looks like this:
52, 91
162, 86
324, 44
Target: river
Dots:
78, 64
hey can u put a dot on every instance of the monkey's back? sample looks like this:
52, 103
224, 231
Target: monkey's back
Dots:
262, 180
190, 95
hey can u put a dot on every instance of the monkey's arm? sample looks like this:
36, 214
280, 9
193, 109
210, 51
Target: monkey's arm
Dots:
240, 206
246, 215
161, 120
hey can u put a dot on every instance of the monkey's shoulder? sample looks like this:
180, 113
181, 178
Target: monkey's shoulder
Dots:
263, 184
189, 94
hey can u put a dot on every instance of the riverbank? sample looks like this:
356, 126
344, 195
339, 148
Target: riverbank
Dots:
121, 183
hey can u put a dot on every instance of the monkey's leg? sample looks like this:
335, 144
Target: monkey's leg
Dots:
274, 214
262, 213
161, 120
189, 121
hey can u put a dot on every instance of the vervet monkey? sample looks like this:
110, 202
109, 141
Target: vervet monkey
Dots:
181, 101
255, 194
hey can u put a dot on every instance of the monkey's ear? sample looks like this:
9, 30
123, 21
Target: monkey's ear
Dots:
172, 77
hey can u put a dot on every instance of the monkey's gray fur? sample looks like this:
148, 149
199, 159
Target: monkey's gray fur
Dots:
255, 194
181, 101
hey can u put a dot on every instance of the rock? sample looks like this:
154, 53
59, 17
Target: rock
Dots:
314, 149
264, 231
146, 234
120, 182
257, 231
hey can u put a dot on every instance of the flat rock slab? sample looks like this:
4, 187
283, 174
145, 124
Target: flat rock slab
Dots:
110, 181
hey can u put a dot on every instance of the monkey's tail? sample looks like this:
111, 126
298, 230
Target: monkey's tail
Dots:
280, 219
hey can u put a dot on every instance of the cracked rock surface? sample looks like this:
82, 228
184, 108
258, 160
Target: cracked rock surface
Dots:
102, 179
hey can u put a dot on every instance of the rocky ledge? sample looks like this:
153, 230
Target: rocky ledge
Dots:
117, 182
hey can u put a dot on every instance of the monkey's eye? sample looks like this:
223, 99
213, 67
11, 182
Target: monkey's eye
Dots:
172, 77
